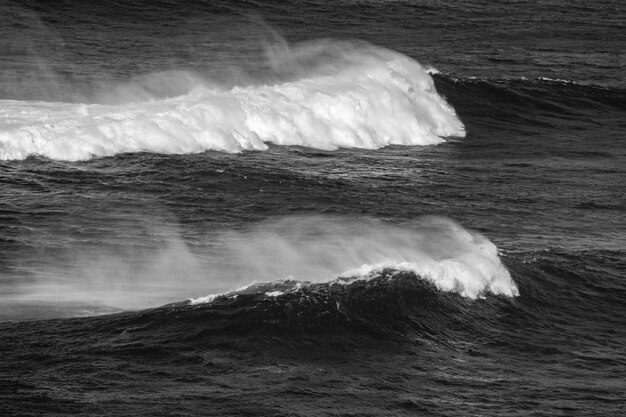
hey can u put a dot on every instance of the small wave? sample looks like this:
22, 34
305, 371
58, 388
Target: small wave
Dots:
332, 95
516, 101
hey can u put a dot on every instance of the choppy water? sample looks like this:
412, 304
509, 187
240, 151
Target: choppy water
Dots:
357, 208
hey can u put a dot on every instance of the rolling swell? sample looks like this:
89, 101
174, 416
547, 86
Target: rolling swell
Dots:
537, 103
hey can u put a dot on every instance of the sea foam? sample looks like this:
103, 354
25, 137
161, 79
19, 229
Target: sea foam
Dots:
324, 95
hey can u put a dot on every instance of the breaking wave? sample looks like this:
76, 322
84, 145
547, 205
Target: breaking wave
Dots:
324, 95
284, 254
435, 250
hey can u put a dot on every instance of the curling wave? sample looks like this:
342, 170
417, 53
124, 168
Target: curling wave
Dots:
327, 95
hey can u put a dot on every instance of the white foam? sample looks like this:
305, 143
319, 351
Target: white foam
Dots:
362, 97
471, 269
203, 300
470, 276
274, 294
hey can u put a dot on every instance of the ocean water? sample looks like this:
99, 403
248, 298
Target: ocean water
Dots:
312, 208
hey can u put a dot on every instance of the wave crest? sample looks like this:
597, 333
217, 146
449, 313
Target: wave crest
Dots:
432, 249
328, 95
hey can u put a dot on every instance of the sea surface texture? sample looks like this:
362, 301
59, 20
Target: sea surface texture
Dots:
312, 208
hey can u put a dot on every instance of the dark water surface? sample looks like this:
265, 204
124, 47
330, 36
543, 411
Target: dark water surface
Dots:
133, 174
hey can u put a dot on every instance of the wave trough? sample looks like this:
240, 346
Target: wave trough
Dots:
324, 95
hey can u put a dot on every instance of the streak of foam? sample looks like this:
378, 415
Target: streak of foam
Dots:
329, 95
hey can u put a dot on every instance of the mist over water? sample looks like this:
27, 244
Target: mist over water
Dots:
301, 248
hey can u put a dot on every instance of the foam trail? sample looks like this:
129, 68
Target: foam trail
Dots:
324, 95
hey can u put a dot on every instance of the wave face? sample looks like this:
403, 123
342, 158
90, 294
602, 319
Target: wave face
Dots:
332, 95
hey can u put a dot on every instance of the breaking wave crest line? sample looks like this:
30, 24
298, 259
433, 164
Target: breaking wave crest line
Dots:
336, 95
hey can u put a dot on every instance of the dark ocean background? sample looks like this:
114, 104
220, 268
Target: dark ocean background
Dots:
349, 208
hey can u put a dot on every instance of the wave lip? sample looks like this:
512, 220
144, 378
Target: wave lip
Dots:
469, 276
350, 96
